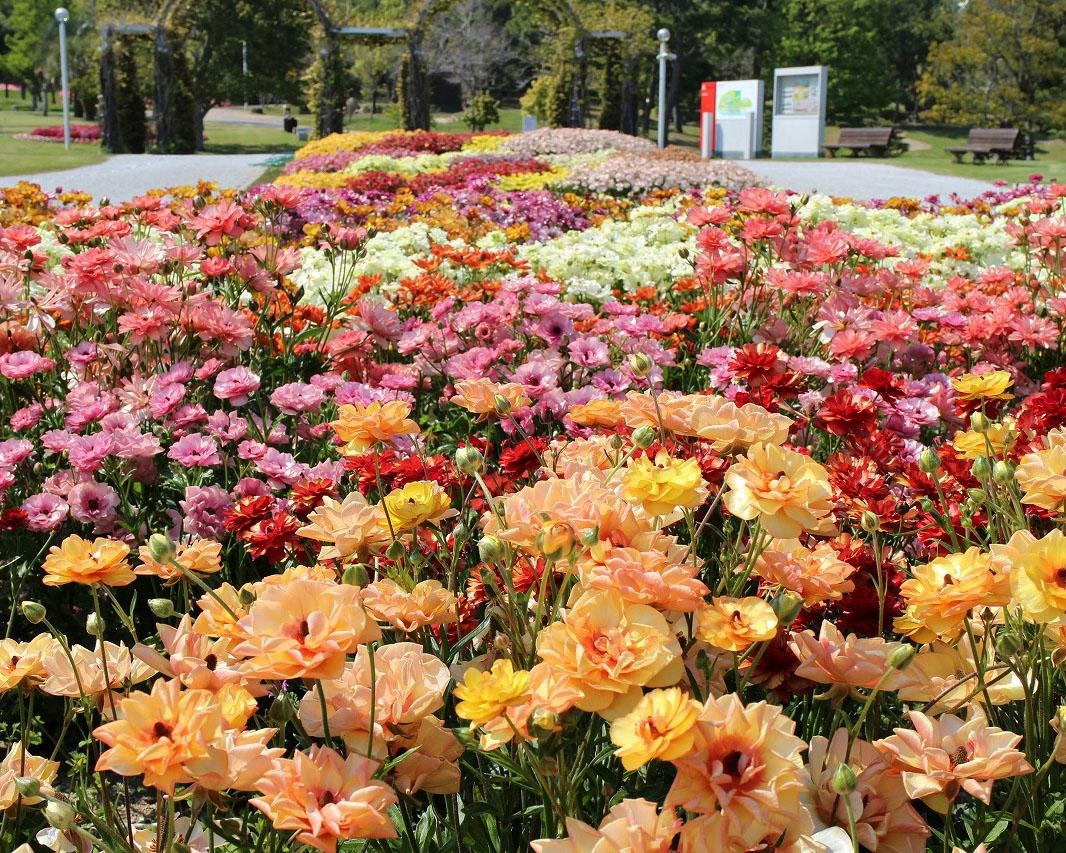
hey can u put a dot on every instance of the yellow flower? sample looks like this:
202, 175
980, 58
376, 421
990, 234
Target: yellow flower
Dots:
1042, 476
361, 427
78, 560
734, 624
1037, 573
659, 727
416, 503
986, 386
997, 440
788, 492
486, 696
664, 484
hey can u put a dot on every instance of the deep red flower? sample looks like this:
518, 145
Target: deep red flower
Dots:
246, 512
846, 412
756, 363
307, 495
522, 458
272, 537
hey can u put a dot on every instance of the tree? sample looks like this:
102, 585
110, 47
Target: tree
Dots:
471, 45
31, 47
1005, 63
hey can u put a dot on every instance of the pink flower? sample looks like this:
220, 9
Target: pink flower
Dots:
44, 512
224, 219
27, 417
13, 451
87, 452
297, 397
94, 503
195, 450
23, 364
235, 385
204, 510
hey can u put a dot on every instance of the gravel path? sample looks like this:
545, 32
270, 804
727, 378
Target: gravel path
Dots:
125, 176
862, 180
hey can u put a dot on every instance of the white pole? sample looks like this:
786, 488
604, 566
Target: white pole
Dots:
62, 15
664, 36
244, 70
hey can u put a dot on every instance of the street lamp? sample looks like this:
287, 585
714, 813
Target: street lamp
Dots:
62, 16
664, 56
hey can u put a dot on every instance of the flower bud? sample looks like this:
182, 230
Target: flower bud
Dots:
901, 657
466, 737
870, 522
543, 722
556, 539
27, 786
979, 422
981, 468
60, 815
644, 436
1009, 645
355, 575
282, 709
94, 625
926, 504
844, 780
787, 606
469, 460
1003, 473
616, 442
246, 596
161, 548
395, 551
162, 608
491, 549
928, 461
640, 364
501, 404
34, 612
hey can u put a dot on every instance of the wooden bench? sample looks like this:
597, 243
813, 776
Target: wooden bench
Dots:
983, 142
874, 140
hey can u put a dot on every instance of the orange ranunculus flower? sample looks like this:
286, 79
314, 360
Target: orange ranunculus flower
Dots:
194, 659
214, 619
408, 686
420, 502
660, 726
597, 413
941, 594
78, 560
847, 664
430, 761
664, 485
303, 630
731, 428
734, 624
642, 409
21, 664
349, 527
1037, 571
609, 649
486, 695
745, 772
201, 557
87, 674
971, 387
645, 575
630, 827
585, 456
237, 760
938, 757
788, 493
159, 733
326, 798
1042, 477
361, 427
816, 576
428, 603
16, 765
945, 675
479, 395
884, 817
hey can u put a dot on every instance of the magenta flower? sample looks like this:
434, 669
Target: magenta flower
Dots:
94, 503
195, 450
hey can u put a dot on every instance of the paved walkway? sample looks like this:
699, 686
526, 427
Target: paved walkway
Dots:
125, 176
862, 180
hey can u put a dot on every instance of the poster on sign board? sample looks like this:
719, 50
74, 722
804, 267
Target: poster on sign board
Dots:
799, 95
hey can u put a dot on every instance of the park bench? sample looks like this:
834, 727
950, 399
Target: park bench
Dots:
983, 142
875, 140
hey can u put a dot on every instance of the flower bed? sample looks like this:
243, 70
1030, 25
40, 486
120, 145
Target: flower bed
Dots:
431, 512
54, 133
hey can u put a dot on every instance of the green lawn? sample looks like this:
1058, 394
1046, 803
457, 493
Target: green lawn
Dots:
27, 156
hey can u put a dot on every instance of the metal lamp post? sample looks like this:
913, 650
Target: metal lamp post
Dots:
664, 56
62, 16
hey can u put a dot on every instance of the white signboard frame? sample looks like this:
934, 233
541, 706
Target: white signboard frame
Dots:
799, 111
738, 118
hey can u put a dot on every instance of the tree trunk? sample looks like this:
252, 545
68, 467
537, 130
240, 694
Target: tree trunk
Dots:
415, 87
110, 136
673, 95
174, 109
645, 116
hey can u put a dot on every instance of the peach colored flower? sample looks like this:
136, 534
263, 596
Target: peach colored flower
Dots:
86, 677
788, 493
885, 820
816, 576
326, 798
609, 649
1042, 477
16, 765
428, 603
734, 624
430, 761
195, 660
661, 580
660, 726
745, 771
664, 485
938, 757
159, 733
945, 676
236, 760
361, 427
1037, 571
202, 557
597, 413
21, 664
847, 664
593, 456
349, 527
218, 621
731, 428
941, 595
551, 694
642, 409
633, 826
78, 560
478, 396
303, 630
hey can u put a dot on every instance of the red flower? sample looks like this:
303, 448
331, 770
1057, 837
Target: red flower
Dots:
522, 458
246, 512
847, 413
272, 537
756, 363
307, 495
